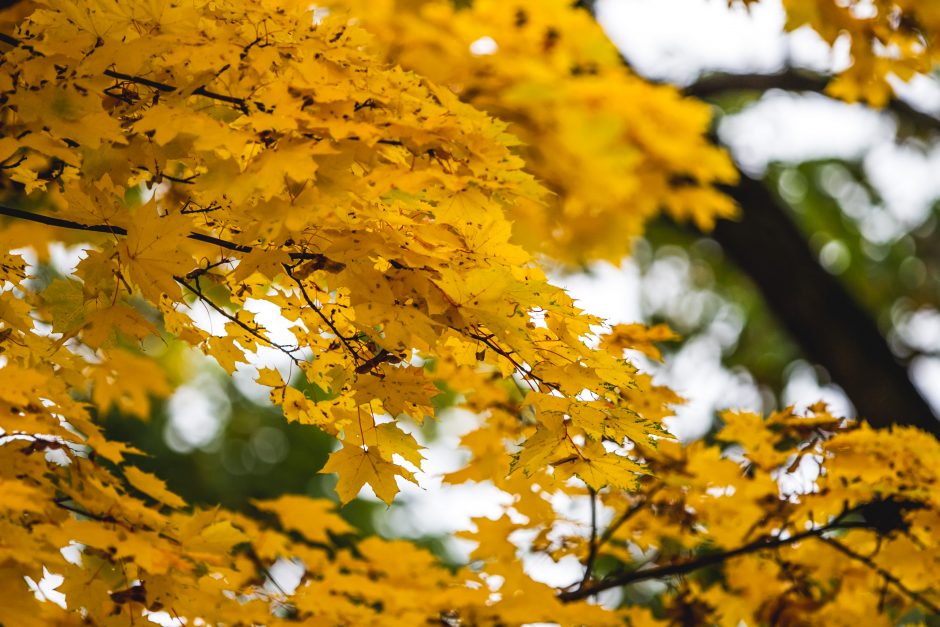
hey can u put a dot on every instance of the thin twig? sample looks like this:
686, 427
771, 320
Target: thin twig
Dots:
592, 550
303, 291
60, 503
287, 350
507, 354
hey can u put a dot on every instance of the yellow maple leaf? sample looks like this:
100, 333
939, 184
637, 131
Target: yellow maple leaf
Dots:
153, 252
310, 517
357, 466
639, 337
152, 487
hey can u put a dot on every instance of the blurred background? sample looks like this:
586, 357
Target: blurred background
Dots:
842, 200
861, 186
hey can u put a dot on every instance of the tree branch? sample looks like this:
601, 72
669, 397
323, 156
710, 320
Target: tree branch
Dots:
888, 577
797, 80
684, 568
788, 79
592, 550
241, 103
59, 222
323, 261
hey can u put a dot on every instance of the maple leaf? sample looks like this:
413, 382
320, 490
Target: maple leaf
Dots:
153, 252
598, 468
357, 466
639, 337
313, 518
152, 487
389, 440
67, 303
541, 449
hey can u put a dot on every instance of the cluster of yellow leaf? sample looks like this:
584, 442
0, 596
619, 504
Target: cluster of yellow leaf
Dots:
613, 149
284, 163
366, 204
886, 37
283, 160
134, 549
790, 520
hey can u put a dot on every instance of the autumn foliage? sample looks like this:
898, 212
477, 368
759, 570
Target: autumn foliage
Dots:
393, 195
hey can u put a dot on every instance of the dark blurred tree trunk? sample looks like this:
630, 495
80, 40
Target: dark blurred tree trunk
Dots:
822, 317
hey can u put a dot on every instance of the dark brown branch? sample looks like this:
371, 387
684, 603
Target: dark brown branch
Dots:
711, 559
59, 222
592, 549
796, 80
10, 40
186, 181
325, 262
790, 79
241, 103
62, 504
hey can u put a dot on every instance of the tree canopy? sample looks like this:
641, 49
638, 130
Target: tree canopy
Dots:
356, 203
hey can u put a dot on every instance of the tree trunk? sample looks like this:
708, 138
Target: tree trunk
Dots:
821, 316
